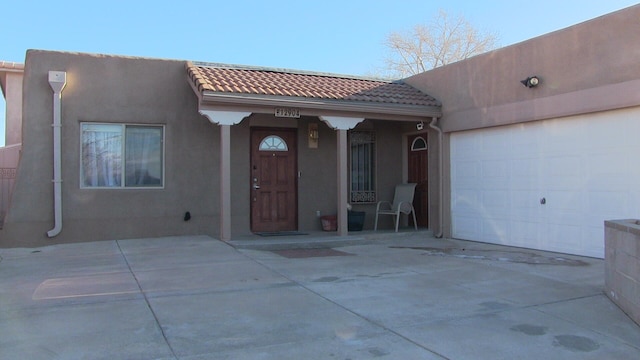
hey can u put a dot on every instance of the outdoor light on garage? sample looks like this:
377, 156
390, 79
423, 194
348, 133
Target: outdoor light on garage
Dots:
531, 81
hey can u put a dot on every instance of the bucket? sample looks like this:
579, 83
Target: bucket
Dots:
329, 222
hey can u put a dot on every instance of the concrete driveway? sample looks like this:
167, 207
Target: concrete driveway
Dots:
401, 297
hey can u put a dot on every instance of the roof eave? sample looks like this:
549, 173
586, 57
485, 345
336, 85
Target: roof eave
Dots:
374, 109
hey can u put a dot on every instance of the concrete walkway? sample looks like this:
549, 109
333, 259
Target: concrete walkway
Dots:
407, 297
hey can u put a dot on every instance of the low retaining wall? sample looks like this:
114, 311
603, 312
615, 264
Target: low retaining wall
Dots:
622, 265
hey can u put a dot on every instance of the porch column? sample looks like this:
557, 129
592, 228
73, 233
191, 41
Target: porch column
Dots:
225, 119
342, 124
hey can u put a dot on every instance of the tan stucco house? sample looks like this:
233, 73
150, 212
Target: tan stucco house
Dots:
152, 147
531, 145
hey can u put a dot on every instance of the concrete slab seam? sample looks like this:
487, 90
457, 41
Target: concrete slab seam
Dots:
146, 299
635, 346
385, 328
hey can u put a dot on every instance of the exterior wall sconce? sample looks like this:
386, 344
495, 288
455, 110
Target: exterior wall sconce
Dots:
531, 81
313, 135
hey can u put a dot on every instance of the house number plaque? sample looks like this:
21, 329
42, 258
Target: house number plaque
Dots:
287, 112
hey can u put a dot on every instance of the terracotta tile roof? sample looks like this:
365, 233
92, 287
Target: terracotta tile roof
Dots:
278, 82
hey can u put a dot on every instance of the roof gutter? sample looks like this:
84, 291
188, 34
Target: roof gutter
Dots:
57, 80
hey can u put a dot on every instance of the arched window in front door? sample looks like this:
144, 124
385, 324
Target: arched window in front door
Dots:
419, 144
273, 143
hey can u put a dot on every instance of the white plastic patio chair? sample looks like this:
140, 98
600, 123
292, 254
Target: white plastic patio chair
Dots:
402, 204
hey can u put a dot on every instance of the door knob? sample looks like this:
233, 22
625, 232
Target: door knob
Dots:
256, 186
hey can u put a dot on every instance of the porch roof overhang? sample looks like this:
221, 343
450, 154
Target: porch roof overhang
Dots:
260, 90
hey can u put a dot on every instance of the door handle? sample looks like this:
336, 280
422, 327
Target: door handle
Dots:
256, 186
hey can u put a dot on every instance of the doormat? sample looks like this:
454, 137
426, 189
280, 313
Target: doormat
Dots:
281, 233
309, 253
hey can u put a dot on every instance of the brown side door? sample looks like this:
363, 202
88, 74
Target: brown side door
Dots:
418, 174
274, 194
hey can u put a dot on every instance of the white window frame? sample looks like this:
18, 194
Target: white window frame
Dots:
273, 143
416, 148
123, 186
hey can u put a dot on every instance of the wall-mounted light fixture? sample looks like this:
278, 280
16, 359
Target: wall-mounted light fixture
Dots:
313, 135
531, 81
420, 126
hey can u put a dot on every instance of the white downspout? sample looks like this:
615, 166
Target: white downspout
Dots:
57, 80
433, 125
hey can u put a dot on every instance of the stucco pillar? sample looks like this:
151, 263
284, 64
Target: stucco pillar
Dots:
13, 97
343, 183
225, 182
225, 119
342, 124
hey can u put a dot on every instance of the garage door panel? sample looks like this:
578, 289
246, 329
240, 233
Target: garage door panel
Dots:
525, 199
467, 147
607, 204
468, 171
565, 166
613, 183
467, 227
494, 169
563, 136
524, 168
586, 167
494, 230
563, 217
524, 232
633, 202
563, 201
495, 202
603, 130
566, 235
593, 235
466, 202
493, 143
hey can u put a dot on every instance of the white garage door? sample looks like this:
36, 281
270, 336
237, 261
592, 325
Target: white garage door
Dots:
547, 185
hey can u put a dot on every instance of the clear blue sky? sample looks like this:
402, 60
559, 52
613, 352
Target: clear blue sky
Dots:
344, 37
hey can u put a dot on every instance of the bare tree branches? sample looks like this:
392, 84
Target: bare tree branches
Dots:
442, 41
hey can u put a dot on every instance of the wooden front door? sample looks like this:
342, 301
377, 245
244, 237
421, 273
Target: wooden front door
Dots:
418, 174
274, 194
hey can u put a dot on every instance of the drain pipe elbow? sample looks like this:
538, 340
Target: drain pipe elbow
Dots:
57, 80
433, 125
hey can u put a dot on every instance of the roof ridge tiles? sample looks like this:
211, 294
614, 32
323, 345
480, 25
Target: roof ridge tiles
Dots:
287, 71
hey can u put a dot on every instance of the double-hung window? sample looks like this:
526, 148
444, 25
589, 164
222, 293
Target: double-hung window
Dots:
363, 166
121, 156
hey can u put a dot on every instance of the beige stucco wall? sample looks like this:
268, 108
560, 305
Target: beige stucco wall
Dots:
592, 66
150, 91
586, 68
120, 90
